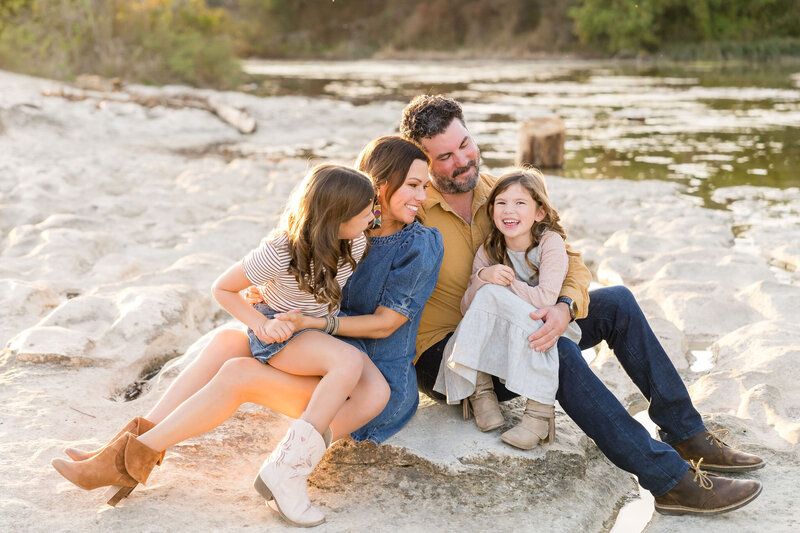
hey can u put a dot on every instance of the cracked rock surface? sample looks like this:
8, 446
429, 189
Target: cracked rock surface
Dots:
115, 220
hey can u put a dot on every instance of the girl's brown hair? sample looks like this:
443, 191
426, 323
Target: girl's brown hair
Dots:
532, 181
386, 160
328, 196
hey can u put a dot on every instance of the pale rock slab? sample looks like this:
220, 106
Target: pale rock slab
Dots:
755, 377
52, 344
689, 305
23, 303
775, 301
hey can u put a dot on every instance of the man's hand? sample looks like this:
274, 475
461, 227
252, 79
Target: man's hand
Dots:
556, 319
497, 274
274, 330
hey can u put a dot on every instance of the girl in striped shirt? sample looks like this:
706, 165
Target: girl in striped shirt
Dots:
302, 266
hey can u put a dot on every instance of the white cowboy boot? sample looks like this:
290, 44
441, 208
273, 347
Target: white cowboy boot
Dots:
283, 475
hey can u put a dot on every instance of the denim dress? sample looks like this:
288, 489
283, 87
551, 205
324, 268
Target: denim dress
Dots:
399, 273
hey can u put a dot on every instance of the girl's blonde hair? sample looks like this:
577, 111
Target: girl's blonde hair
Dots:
328, 196
531, 180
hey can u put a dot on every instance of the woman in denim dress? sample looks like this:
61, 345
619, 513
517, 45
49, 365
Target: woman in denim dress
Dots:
383, 300
399, 273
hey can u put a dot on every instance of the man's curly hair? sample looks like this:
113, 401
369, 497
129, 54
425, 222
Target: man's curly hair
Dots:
428, 115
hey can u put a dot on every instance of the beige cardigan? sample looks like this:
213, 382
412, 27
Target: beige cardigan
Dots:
553, 264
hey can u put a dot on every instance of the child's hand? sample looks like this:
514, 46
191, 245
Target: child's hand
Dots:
274, 330
497, 274
252, 295
295, 317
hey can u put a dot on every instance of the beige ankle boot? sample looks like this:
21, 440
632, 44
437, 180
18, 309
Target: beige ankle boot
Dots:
537, 424
483, 403
283, 475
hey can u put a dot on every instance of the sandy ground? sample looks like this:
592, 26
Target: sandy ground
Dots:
115, 219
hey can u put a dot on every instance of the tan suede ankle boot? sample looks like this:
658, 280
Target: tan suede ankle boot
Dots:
124, 463
135, 427
537, 424
483, 403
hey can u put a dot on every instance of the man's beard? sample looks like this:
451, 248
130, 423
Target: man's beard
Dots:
449, 185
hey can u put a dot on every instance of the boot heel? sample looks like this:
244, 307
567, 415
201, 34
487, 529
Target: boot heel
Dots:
466, 409
116, 494
262, 488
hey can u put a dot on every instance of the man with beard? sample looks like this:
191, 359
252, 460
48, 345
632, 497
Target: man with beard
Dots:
670, 468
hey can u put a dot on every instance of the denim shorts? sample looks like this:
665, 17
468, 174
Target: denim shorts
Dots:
264, 351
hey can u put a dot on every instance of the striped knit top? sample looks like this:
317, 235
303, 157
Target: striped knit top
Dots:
268, 268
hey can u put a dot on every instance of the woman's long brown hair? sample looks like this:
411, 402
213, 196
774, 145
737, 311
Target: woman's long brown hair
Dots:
328, 196
387, 159
532, 181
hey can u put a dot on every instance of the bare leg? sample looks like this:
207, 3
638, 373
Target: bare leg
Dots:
366, 401
222, 396
242, 380
314, 353
226, 344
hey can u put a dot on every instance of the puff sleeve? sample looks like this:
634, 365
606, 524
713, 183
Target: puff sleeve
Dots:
414, 271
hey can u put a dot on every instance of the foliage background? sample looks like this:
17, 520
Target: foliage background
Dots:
150, 41
199, 42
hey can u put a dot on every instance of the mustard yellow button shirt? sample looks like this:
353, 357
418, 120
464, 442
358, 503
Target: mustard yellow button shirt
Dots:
442, 313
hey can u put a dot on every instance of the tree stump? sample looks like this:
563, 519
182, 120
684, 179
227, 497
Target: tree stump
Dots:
541, 143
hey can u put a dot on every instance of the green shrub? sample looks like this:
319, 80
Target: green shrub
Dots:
150, 41
647, 25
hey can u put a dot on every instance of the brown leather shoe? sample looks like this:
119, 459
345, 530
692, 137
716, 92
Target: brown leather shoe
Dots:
701, 493
716, 455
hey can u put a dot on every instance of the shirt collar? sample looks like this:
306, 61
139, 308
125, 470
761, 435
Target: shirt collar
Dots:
480, 195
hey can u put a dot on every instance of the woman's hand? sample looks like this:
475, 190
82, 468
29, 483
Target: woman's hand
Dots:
497, 274
297, 319
274, 330
253, 296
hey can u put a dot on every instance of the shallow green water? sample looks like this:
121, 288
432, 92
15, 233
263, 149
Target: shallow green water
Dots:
704, 125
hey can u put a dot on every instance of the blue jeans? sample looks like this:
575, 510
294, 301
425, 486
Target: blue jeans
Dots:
615, 316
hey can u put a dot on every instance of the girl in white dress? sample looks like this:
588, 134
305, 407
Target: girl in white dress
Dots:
519, 268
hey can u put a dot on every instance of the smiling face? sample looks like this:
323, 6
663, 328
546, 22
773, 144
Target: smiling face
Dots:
455, 159
356, 226
514, 212
401, 208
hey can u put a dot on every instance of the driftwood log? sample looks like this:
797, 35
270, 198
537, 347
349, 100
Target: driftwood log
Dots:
93, 87
541, 143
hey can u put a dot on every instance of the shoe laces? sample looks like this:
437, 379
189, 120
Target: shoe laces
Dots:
700, 477
715, 437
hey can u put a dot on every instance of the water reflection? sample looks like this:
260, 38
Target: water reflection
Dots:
704, 125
